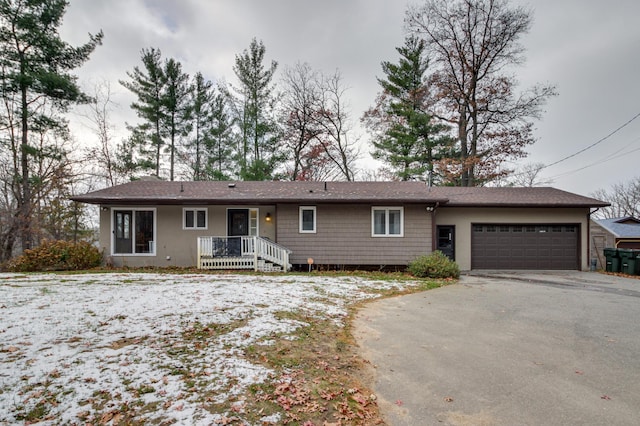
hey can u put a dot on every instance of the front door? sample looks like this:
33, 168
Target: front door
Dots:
237, 226
446, 241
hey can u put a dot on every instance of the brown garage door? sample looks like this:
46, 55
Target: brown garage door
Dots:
524, 247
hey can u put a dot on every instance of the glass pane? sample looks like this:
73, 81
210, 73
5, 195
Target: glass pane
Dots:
188, 219
144, 231
126, 233
119, 225
202, 218
307, 220
253, 222
379, 225
394, 222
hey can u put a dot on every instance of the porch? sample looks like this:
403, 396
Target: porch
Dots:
243, 252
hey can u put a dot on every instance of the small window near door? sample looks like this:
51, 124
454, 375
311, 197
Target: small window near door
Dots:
307, 220
194, 218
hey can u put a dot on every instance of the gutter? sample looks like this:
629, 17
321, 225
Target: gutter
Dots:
434, 235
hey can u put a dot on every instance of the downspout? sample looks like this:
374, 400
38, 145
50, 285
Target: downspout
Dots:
433, 226
589, 235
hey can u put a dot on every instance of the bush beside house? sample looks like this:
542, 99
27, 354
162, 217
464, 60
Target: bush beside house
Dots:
434, 265
57, 256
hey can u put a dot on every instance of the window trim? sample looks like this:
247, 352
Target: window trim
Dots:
301, 209
386, 209
154, 244
195, 211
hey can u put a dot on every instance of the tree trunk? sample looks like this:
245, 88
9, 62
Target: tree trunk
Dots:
25, 205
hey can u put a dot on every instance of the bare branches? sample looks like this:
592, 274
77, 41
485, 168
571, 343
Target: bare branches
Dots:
472, 44
624, 198
317, 123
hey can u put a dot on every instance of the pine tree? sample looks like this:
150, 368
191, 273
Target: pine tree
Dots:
36, 84
201, 99
176, 108
259, 155
406, 137
148, 84
219, 142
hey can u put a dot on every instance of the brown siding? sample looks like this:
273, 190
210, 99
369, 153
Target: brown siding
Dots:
343, 236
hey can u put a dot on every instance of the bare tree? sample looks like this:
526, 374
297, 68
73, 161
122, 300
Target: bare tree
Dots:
526, 176
624, 198
102, 154
300, 99
472, 45
333, 120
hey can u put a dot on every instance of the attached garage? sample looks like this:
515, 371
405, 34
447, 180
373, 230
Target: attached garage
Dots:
525, 246
516, 228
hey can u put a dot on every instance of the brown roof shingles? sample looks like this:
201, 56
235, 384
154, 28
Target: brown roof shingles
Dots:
161, 192
514, 197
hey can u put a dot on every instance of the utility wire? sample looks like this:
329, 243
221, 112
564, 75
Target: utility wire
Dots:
597, 163
595, 143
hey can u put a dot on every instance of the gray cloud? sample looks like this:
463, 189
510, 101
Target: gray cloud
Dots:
590, 50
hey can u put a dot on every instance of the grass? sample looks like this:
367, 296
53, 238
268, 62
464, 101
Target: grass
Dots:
319, 376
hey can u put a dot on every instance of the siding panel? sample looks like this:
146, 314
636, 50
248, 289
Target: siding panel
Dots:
343, 236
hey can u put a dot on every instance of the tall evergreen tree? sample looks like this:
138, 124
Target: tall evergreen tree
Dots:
211, 147
176, 108
255, 104
148, 84
36, 69
406, 137
219, 142
201, 99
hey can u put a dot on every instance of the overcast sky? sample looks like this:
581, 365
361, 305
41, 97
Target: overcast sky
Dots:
589, 49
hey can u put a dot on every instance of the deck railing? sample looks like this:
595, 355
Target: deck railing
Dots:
241, 253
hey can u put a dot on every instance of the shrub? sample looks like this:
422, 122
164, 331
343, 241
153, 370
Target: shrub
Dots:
434, 265
57, 256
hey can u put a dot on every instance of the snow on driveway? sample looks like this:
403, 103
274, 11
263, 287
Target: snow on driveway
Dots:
71, 343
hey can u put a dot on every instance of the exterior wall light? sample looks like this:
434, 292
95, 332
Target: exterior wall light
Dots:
268, 217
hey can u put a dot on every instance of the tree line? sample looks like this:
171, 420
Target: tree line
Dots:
193, 129
447, 113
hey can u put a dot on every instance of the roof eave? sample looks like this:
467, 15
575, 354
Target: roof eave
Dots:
126, 201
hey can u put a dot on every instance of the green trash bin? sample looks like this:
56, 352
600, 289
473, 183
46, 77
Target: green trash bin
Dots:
627, 261
613, 261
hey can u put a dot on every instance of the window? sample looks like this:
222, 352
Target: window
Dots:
194, 218
134, 231
307, 220
387, 221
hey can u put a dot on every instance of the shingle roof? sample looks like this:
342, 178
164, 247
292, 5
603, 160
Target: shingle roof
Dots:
514, 197
162, 192
243, 192
620, 230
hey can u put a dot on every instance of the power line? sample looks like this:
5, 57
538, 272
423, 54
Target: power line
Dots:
597, 163
595, 143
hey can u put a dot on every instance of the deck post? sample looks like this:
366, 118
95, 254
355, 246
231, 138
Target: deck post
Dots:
255, 254
199, 254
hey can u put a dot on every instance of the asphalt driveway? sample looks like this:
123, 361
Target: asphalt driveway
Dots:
508, 348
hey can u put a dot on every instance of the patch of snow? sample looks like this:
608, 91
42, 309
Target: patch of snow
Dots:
108, 340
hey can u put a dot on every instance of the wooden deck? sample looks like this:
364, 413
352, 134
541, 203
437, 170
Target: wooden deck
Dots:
256, 253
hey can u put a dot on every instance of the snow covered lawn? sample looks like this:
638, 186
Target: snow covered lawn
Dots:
77, 349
